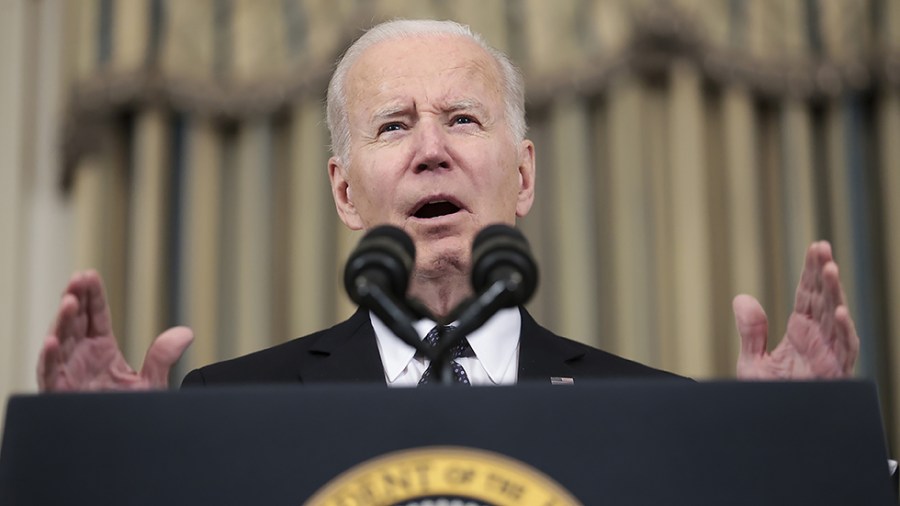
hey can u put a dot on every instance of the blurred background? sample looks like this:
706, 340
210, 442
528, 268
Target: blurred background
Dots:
688, 150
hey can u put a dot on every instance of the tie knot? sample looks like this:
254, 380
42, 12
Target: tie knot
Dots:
434, 336
460, 349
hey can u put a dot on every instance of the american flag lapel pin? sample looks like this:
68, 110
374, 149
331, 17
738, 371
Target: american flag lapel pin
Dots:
561, 380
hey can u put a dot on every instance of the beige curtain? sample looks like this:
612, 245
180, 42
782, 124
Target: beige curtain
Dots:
687, 151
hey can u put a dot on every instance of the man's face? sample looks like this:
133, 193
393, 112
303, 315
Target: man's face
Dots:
430, 148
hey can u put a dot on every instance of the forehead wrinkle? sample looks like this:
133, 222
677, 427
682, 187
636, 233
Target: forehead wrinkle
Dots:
368, 73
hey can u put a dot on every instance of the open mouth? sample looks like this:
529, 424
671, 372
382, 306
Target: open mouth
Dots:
436, 209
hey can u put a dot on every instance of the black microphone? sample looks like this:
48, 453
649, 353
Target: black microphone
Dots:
504, 274
383, 258
501, 253
376, 277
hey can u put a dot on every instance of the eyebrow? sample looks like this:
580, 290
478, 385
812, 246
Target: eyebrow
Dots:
390, 111
394, 111
465, 104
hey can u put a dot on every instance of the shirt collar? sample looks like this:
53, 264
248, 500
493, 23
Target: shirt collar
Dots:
494, 344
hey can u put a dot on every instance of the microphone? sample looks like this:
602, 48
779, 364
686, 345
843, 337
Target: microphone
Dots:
383, 258
501, 253
504, 274
376, 277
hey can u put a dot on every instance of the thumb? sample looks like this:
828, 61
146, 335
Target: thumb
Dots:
752, 325
163, 353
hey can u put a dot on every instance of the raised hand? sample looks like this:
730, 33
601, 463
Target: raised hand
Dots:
820, 341
81, 353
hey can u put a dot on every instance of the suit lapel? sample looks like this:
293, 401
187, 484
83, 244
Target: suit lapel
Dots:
542, 354
345, 353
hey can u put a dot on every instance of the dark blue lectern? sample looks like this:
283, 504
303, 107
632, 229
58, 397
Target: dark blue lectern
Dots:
629, 443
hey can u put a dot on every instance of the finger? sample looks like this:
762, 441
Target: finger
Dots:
752, 325
95, 304
847, 340
76, 292
817, 255
810, 265
67, 327
76, 287
825, 252
825, 302
807, 285
832, 289
823, 257
49, 363
163, 353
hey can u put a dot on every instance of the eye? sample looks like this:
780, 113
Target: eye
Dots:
390, 127
464, 119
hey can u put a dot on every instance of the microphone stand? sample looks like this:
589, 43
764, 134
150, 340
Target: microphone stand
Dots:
393, 313
471, 315
374, 279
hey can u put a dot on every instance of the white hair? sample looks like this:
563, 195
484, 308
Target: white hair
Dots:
336, 101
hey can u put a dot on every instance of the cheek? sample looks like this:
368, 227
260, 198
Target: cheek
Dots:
371, 191
507, 178
506, 185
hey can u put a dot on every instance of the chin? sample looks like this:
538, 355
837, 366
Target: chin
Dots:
445, 262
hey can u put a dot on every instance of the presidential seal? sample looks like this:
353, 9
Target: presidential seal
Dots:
442, 476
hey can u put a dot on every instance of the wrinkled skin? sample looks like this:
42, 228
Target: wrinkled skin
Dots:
80, 352
431, 129
820, 341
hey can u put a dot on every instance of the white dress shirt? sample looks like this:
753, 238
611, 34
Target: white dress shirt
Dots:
496, 347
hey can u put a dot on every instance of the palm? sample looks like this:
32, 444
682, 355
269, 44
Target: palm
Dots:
820, 340
81, 353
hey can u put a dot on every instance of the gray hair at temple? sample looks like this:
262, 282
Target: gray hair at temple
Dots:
336, 102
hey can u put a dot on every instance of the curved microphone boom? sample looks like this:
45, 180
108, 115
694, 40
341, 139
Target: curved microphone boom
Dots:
504, 274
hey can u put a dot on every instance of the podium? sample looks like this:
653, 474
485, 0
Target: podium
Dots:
622, 443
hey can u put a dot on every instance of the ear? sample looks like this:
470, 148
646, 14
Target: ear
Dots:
340, 190
526, 178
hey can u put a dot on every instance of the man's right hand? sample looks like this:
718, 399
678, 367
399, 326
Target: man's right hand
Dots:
80, 353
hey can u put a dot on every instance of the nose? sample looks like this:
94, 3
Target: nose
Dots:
431, 147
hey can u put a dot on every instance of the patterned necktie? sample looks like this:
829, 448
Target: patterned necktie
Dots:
460, 349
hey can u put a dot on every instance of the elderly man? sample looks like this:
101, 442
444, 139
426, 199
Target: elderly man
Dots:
428, 134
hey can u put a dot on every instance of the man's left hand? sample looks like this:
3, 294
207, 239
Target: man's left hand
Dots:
820, 341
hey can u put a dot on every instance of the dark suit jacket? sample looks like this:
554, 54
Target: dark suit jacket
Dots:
348, 353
